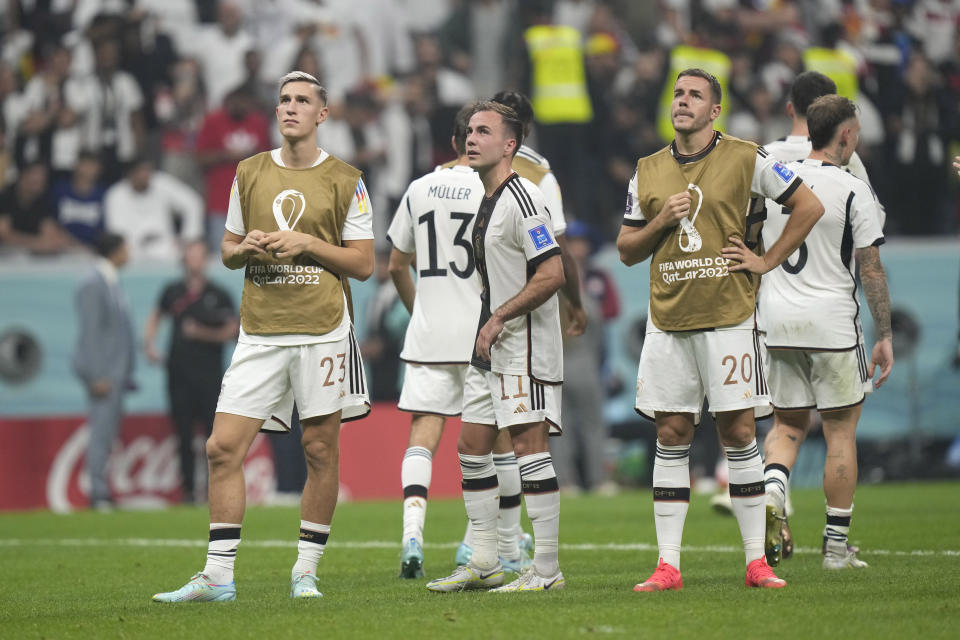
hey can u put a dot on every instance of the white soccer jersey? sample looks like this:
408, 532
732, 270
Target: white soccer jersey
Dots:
810, 301
435, 221
793, 148
550, 189
511, 236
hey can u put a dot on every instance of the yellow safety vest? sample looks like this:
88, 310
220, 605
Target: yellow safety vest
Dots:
684, 57
836, 64
559, 77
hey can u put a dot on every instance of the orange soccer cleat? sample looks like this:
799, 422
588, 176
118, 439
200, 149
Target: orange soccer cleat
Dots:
666, 577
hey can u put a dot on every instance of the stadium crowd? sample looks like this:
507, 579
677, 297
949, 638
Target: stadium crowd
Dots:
131, 115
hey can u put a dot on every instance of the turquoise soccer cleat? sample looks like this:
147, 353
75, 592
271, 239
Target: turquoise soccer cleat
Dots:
411, 560
303, 586
464, 553
518, 564
199, 589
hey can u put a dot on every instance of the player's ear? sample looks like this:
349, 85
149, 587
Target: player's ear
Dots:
322, 115
715, 111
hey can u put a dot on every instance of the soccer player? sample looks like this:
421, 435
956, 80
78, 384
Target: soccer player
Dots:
818, 360
517, 367
434, 222
299, 224
806, 87
684, 204
528, 164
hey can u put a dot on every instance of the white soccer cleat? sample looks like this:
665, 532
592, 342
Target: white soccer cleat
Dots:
468, 577
841, 556
530, 580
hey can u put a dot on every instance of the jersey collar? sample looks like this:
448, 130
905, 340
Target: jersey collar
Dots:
700, 155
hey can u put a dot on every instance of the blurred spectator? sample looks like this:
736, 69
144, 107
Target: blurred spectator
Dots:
46, 128
758, 122
104, 358
28, 214
180, 111
220, 50
386, 319
227, 136
147, 55
109, 104
154, 212
79, 200
446, 88
581, 456
480, 40
203, 318
917, 129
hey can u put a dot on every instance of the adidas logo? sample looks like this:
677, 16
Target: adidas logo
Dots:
521, 408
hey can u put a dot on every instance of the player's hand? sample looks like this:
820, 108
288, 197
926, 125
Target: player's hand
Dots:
286, 244
190, 328
576, 319
100, 388
675, 209
251, 244
956, 164
882, 355
152, 354
746, 260
488, 334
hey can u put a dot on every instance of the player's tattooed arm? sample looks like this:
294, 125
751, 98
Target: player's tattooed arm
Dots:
874, 280
635, 244
576, 314
546, 280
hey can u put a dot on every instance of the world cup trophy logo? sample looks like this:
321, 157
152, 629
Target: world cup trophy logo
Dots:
688, 236
288, 208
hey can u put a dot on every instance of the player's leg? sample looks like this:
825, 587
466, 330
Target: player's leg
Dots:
508, 520
542, 495
731, 362
839, 484
780, 448
415, 475
226, 449
321, 448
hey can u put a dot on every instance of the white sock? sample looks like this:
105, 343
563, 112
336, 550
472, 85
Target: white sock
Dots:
310, 546
222, 552
776, 478
480, 496
671, 498
838, 528
749, 499
542, 495
508, 521
468, 535
415, 474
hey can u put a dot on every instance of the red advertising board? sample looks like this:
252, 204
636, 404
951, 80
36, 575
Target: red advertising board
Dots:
42, 462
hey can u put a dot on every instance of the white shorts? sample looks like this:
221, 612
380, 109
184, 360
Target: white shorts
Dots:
505, 400
821, 380
433, 388
678, 368
263, 381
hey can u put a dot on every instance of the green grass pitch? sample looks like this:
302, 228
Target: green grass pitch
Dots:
89, 575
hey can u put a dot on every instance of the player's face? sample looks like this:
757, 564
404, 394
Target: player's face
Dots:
488, 141
692, 109
849, 138
299, 110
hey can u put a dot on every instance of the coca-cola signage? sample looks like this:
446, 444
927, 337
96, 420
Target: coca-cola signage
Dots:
42, 464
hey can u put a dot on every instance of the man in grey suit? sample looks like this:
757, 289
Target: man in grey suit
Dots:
104, 357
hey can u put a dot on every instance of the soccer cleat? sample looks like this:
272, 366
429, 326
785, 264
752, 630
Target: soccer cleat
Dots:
773, 545
787, 550
199, 589
518, 564
759, 574
665, 578
840, 555
411, 560
530, 580
464, 553
722, 503
525, 542
469, 577
303, 586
